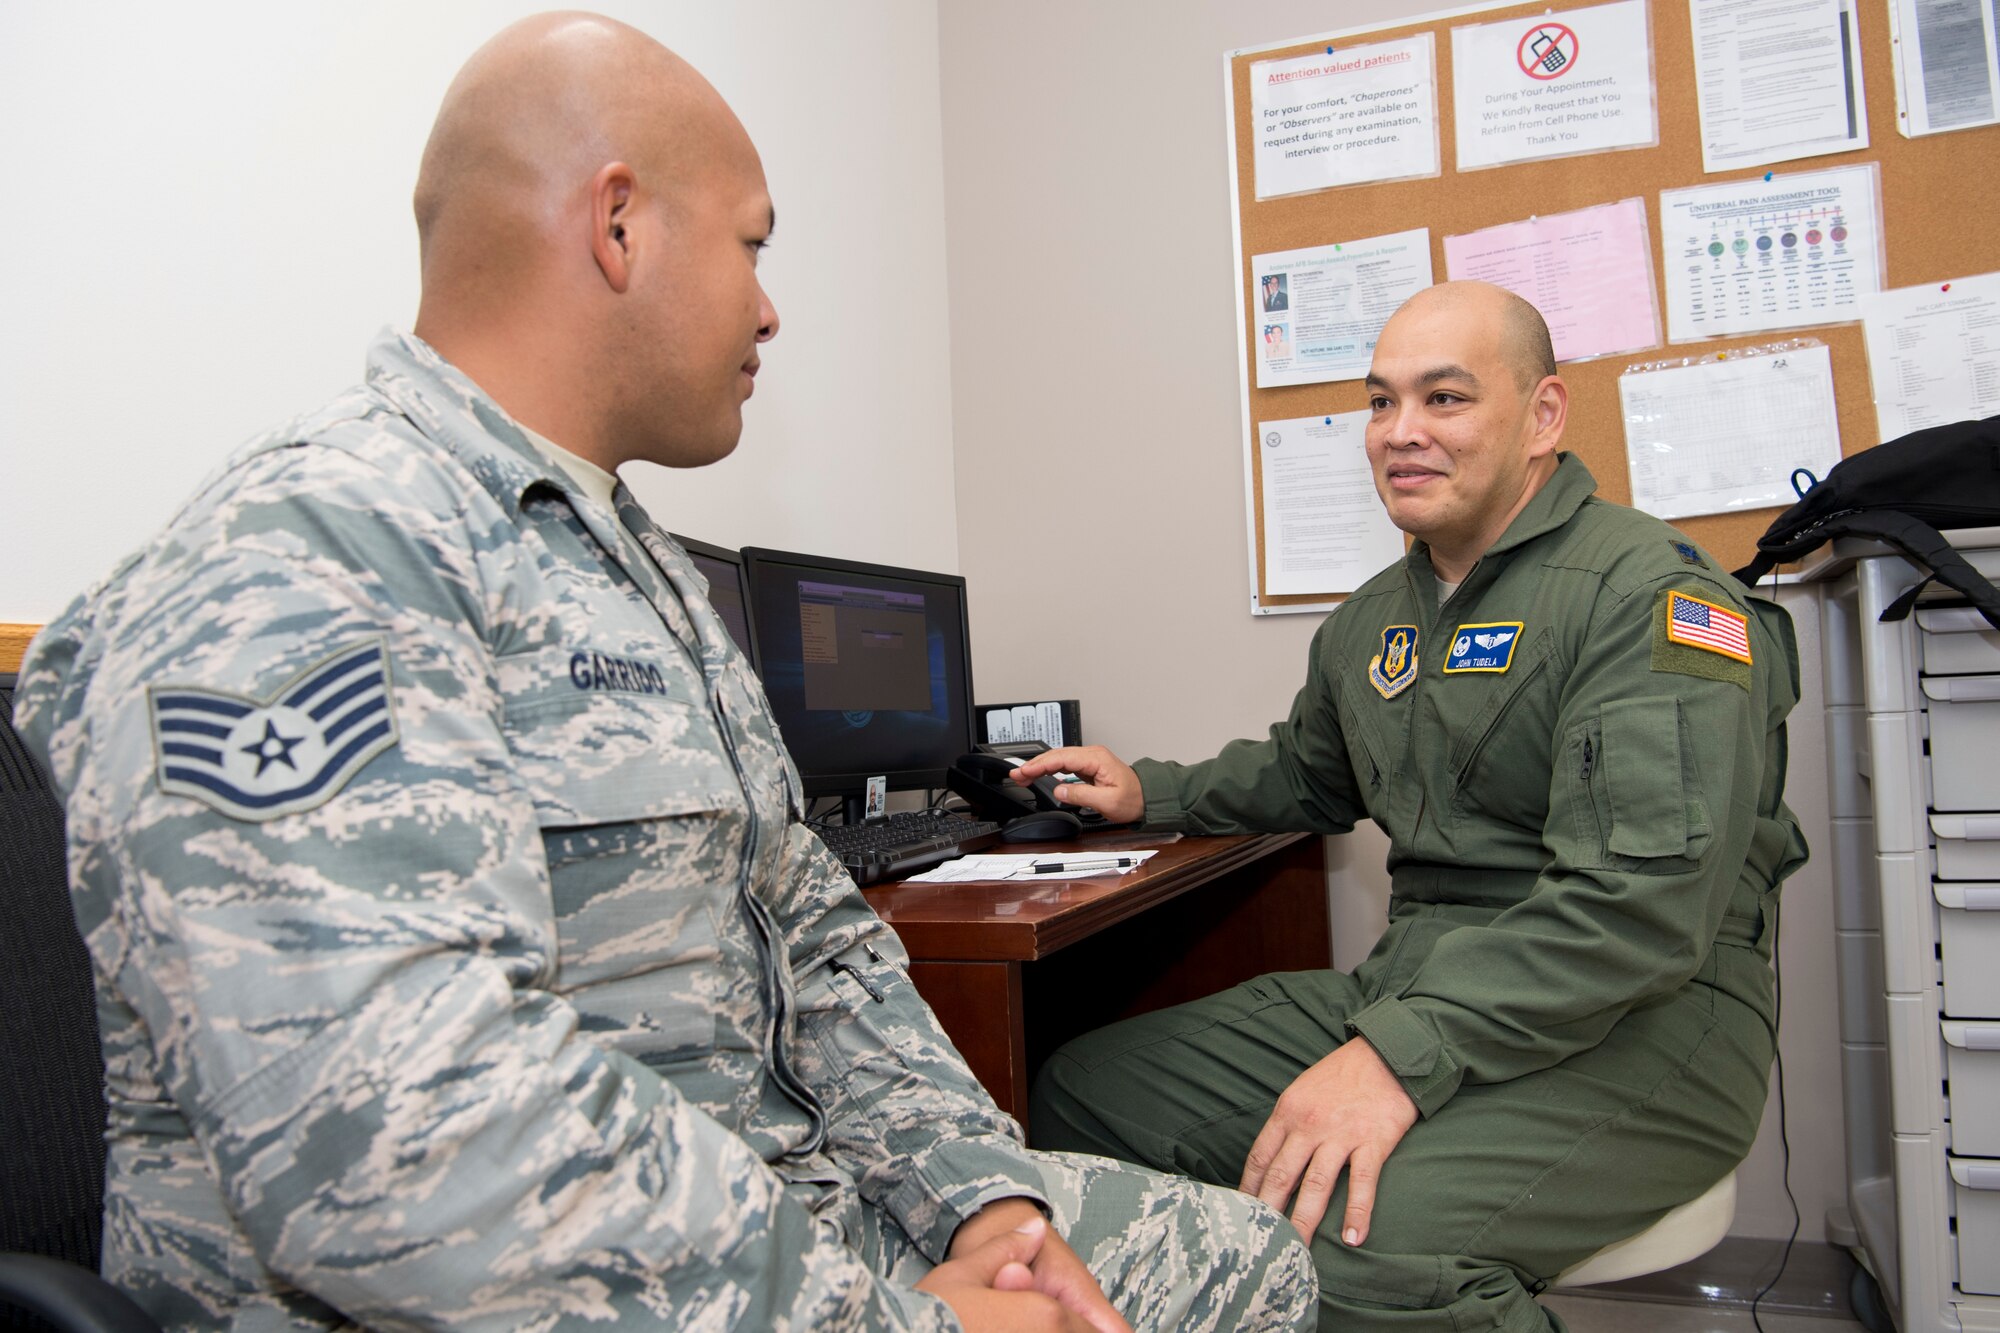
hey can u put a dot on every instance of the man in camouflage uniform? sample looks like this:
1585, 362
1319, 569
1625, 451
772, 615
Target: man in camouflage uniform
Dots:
1570, 724
462, 959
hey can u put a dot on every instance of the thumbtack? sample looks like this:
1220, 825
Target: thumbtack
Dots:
1767, 175
1329, 420
1329, 50
1945, 288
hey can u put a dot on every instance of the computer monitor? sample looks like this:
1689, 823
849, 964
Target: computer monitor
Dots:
868, 668
727, 590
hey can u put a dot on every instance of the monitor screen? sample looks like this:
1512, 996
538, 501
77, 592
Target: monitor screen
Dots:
867, 667
727, 589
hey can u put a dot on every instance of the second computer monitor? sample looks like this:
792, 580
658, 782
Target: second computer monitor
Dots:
868, 668
728, 591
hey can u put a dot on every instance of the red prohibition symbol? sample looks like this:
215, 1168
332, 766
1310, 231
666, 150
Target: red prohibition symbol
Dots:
1547, 51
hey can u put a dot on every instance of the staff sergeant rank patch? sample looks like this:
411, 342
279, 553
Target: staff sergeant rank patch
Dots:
259, 759
1483, 647
1394, 669
1693, 637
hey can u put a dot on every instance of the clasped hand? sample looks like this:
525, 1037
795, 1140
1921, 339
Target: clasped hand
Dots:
1349, 1110
1010, 1270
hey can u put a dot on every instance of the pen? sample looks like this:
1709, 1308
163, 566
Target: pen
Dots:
1102, 863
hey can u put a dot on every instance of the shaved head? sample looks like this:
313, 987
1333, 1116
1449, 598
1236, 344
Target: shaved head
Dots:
1522, 332
589, 213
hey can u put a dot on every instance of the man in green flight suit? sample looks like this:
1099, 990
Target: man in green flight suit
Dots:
1570, 723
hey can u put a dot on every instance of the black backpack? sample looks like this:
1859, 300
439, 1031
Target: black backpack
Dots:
1901, 492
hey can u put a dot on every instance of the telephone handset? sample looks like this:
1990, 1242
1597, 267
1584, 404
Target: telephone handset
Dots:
981, 777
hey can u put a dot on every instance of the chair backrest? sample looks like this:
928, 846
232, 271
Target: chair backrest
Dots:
51, 1066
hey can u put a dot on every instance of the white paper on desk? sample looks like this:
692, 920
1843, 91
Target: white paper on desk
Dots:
1776, 80
1947, 55
1320, 310
1324, 526
1747, 256
1934, 353
982, 867
1721, 436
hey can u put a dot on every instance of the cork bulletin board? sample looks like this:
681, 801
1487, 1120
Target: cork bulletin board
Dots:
1940, 213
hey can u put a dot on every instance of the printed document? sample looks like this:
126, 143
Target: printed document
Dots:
1934, 353
1722, 436
1576, 82
1316, 312
1325, 530
1751, 255
1589, 273
1947, 64
988, 867
1344, 116
1776, 80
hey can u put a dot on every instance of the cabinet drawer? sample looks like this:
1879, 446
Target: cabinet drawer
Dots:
1972, 1066
1965, 735
1957, 641
1969, 937
1975, 1185
1968, 846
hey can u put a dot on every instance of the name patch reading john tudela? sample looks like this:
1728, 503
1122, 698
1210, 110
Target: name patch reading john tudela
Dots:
258, 759
1394, 669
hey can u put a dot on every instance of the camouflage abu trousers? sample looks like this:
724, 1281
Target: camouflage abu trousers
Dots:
1170, 1253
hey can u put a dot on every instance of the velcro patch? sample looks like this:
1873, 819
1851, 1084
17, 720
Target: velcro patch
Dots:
257, 759
1693, 637
1487, 647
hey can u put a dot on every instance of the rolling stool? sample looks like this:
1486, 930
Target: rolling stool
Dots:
1687, 1232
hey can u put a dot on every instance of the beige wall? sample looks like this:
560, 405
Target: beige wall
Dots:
1098, 435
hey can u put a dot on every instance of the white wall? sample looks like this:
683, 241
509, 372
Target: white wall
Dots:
207, 217
1099, 438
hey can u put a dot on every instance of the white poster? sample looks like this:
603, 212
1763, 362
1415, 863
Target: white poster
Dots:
1317, 312
1324, 527
1776, 80
1947, 64
1576, 82
1783, 253
1721, 436
1345, 116
1934, 353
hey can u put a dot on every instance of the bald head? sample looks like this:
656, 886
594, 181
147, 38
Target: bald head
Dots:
528, 120
589, 213
1522, 333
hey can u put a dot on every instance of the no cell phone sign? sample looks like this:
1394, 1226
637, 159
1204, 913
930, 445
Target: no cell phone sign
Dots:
1547, 51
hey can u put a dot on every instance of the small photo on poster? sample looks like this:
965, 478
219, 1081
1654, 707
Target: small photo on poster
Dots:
1335, 299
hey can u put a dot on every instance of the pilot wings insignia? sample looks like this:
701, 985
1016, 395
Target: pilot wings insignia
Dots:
257, 759
1492, 640
1488, 648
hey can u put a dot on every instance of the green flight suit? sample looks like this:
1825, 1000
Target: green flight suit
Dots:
1587, 833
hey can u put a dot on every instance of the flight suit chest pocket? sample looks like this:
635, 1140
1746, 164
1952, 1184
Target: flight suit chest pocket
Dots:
1650, 792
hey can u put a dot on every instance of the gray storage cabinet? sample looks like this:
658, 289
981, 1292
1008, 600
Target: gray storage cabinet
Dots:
1913, 738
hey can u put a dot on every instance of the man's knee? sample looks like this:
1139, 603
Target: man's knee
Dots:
1365, 1290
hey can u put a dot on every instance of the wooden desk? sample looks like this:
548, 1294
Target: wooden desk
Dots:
1015, 968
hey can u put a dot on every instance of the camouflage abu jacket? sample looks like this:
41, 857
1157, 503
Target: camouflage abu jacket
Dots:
461, 957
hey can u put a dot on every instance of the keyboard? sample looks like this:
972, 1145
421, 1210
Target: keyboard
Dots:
905, 842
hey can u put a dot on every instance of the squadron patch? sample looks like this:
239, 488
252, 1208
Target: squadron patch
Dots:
257, 759
1488, 647
1394, 669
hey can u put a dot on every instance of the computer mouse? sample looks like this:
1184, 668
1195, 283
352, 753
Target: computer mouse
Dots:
1041, 826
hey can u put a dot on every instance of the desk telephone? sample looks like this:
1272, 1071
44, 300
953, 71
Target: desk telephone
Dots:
1028, 814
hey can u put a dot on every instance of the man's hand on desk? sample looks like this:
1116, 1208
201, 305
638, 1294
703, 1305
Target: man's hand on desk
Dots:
1109, 785
1009, 1270
1347, 1110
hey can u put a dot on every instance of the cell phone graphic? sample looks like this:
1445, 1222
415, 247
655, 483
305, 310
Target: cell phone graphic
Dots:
1548, 51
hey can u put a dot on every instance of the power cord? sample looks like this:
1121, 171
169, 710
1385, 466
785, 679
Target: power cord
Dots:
1784, 1135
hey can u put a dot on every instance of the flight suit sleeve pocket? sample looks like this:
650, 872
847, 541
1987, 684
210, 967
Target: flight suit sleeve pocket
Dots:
1643, 778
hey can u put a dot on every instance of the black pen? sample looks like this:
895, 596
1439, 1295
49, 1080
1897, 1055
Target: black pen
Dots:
1105, 863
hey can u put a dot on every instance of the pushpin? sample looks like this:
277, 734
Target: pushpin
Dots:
1945, 288
1767, 175
1329, 50
1336, 247
1329, 421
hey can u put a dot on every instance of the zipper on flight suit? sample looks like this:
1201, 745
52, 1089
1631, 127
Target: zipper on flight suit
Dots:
1589, 757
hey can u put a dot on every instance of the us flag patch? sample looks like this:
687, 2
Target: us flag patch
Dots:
1705, 625
258, 759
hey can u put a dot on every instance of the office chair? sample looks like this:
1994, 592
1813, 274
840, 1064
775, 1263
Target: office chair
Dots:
51, 1072
1687, 1232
